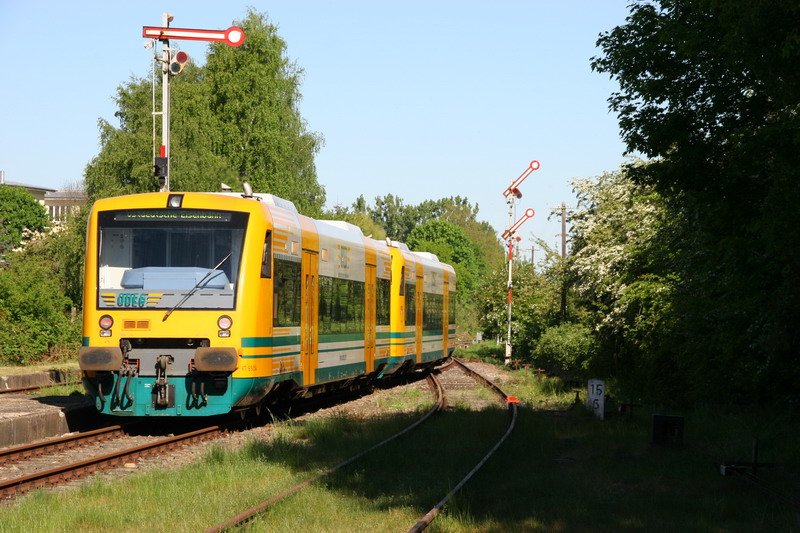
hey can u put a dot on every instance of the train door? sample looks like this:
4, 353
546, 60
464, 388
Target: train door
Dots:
309, 317
446, 303
419, 322
369, 319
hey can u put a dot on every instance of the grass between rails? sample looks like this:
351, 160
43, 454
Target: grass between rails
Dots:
561, 470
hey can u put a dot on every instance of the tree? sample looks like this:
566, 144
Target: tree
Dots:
369, 227
19, 211
535, 306
34, 319
234, 119
710, 91
396, 218
399, 220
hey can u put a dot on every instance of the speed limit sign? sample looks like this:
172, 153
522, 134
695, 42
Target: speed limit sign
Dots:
597, 397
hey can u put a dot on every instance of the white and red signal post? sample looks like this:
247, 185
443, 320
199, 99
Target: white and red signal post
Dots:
512, 194
173, 64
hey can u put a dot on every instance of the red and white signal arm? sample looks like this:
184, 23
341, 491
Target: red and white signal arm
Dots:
514, 187
233, 36
510, 231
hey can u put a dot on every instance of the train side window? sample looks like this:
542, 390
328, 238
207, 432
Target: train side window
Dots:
402, 281
266, 257
286, 294
382, 301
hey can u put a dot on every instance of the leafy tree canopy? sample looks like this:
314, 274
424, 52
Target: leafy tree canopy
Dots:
399, 219
710, 90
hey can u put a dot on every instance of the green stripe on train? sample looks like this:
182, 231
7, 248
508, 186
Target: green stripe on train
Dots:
270, 342
333, 373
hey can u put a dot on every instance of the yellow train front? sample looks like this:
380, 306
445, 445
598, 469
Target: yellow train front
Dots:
197, 304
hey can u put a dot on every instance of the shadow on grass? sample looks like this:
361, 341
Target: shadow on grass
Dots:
558, 471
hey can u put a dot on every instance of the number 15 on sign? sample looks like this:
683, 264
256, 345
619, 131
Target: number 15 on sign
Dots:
597, 397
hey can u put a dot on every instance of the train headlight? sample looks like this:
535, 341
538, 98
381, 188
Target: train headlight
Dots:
224, 323
174, 201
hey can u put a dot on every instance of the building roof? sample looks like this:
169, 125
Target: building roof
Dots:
29, 187
65, 195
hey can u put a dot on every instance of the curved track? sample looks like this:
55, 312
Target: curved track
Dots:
512, 403
441, 401
249, 514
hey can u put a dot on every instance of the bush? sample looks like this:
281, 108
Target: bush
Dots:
34, 322
566, 348
488, 351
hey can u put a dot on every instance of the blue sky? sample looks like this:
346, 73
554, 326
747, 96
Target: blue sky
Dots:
421, 99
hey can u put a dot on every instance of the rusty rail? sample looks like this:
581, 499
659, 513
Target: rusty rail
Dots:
245, 516
512, 402
42, 447
64, 473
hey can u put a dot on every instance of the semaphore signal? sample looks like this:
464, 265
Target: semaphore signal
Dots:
172, 64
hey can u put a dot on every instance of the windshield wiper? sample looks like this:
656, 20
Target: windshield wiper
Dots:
197, 285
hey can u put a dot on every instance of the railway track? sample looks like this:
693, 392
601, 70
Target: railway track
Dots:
44, 447
249, 514
10, 488
512, 403
438, 389
35, 459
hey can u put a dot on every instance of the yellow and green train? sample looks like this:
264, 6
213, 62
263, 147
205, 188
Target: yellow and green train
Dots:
199, 304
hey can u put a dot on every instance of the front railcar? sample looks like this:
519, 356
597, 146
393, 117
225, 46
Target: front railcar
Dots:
166, 302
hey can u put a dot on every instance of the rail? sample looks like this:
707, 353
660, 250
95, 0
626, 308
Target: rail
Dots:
13, 487
249, 514
512, 403
25, 451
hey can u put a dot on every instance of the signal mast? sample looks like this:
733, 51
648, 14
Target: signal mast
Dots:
171, 65
512, 194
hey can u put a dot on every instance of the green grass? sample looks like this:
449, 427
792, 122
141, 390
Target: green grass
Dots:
408, 398
488, 351
561, 470
74, 389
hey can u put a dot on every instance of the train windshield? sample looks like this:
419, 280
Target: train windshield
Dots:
153, 258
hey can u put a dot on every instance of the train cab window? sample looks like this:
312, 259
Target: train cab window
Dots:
168, 252
402, 281
266, 256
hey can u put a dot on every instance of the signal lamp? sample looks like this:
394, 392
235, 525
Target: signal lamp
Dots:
160, 167
106, 322
224, 322
178, 62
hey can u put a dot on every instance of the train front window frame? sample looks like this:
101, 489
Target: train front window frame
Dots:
151, 258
